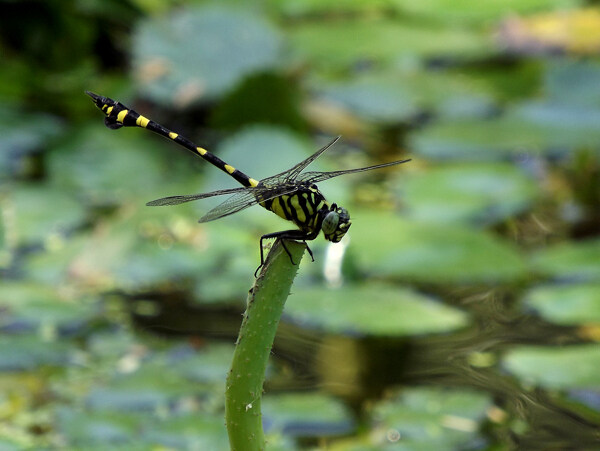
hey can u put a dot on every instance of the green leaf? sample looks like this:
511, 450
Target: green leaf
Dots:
30, 306
567, 305
572, 81
570, 261
475, 12
531, 129
432, 253
201, 53
108, 166
476, 194
447, 11
42, 213
22, 133
373, 99
344, 43
199, 431
29, 352
373, 309
430, 418
306, 415
566, 367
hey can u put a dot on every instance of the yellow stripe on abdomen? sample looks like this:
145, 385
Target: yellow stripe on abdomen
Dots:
121, 115
142, 121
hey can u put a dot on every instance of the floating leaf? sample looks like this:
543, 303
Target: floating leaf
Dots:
107, 166
200, 53
306, 415
477, 194
372, 310
530, 130
573, 82
554, 367
446, 11
432, 253
20, 134
570, 261
28, 352
210, 364
42, 213
430, 418
196, 431
93, 430
567, 304
348, 42
29, 306
374, 100
472, 11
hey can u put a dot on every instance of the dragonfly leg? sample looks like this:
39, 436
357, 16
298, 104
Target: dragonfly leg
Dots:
297, 235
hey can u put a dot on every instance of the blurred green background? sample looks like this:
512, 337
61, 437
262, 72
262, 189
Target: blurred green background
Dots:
461, 312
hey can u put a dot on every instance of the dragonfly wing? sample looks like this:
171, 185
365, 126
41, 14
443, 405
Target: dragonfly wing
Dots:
291, 174
316, 177
244, 199
176, 200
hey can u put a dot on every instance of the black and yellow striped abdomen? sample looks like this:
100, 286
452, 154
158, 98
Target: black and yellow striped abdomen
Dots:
118, 115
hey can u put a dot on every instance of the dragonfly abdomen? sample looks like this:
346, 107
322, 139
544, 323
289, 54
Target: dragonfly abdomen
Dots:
118, 115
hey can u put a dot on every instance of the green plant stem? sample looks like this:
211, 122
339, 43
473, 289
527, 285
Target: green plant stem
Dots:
245, 380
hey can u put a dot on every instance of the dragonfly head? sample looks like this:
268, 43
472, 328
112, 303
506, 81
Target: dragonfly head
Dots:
335, 223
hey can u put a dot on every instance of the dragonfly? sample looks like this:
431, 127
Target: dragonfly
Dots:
292, 194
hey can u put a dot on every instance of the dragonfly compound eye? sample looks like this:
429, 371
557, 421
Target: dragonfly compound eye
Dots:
330, 223
336, 223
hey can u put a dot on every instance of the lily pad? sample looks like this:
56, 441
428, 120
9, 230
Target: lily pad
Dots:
573, 82
21, 134
530, 129
29, 306
93, 430
567, 305
447, 11
432, 253
42, 212
572, 261
430, 418
193, 431
345, 43
200, 53
306, 415
106, 166
29, 352
568, 367
476, 194
374, 100
401, 95
209, 364
151, 387
472, 11
372, 310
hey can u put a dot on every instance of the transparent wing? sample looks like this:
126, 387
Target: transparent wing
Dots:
316, 177
245, 199
291, 174
176, 200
